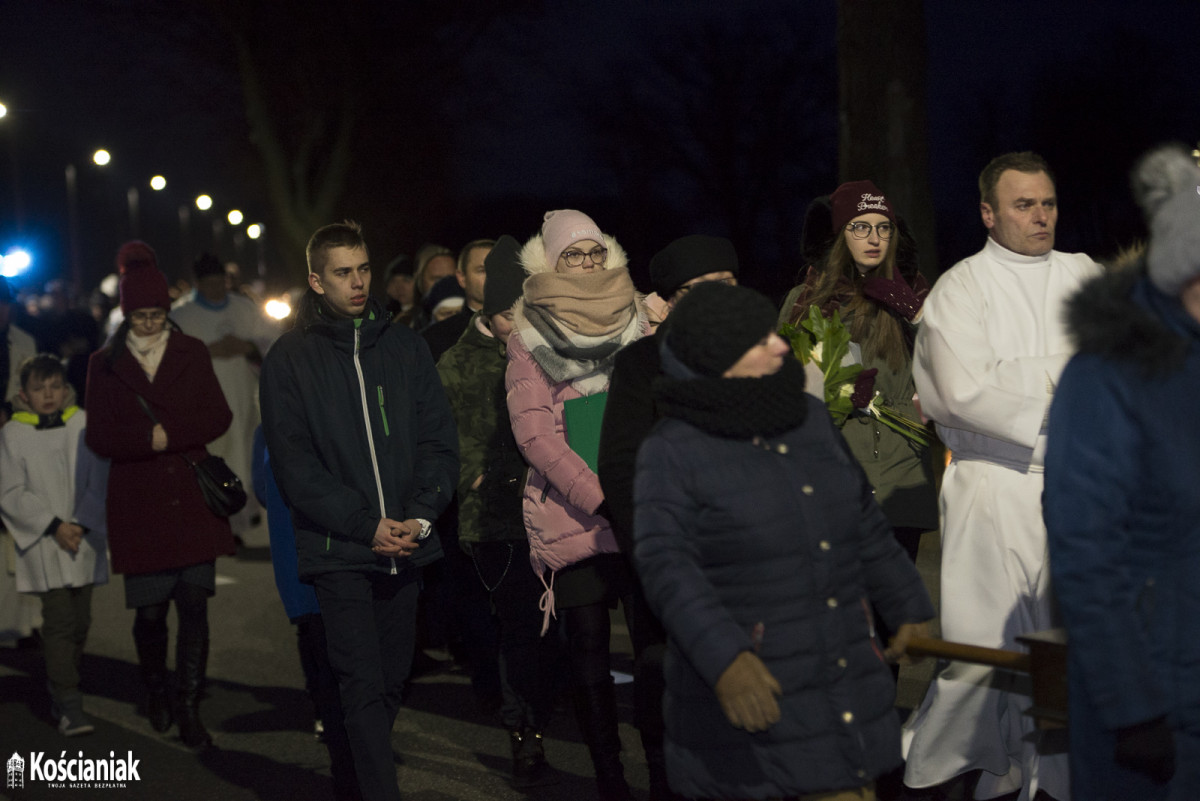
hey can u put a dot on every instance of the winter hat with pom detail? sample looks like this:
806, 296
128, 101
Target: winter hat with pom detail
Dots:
1166, 183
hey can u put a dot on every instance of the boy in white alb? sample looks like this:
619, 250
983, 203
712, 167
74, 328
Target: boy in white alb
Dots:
52, 492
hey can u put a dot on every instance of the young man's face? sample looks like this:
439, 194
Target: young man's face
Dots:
344, 280
45, 395
473, 280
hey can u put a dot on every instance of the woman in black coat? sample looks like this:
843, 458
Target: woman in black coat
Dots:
761, 549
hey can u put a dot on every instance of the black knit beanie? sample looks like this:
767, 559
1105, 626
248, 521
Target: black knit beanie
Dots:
690, 257
715, 324
505, 276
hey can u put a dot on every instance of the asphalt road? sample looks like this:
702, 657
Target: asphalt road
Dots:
261, 719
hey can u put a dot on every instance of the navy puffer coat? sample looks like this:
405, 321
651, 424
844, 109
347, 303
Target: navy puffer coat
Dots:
1123, 516
776, 546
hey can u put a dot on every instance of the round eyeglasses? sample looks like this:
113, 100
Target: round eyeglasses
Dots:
143, 317
861, 230
574, 258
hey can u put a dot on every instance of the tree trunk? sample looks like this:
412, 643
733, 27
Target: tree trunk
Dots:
882, 132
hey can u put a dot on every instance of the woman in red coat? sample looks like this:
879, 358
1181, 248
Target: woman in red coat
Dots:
162, 535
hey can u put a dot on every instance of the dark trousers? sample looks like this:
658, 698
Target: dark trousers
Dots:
471, 619
370, 625
322, 687
66, 617
531, 666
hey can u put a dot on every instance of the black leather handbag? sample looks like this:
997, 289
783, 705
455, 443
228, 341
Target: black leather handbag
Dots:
220, 486
222, 489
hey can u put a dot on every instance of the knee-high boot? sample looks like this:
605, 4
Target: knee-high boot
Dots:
191, 661
596, 711
150, 639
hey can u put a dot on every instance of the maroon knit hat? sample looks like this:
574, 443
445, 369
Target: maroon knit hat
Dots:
858, 197
144, 288
134, 254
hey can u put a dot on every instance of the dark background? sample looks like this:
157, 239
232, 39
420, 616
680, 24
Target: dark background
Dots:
455, 120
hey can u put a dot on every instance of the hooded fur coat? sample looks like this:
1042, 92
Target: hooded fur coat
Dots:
1122, 513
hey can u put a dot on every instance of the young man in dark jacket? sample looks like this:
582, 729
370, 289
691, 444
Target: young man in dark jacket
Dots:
365, 453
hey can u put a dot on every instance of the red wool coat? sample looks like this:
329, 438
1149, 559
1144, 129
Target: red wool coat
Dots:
157, 519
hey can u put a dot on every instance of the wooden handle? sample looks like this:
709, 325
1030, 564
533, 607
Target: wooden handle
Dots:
1009, 660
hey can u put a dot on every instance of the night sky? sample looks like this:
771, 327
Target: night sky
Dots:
658, 119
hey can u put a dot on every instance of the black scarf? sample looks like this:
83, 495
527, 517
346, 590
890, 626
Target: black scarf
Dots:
737, 408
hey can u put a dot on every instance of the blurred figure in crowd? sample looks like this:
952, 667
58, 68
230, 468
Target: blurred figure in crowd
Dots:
238, 334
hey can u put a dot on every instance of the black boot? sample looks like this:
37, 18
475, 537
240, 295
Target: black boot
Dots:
150, 638
596, 711
529, 759
191, 658
656, 763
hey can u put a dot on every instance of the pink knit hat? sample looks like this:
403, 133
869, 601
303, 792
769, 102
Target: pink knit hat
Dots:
565, 227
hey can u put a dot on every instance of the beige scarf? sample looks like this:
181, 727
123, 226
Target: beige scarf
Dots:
148, 350
573, 324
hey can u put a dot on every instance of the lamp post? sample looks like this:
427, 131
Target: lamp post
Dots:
18, 206
100, 158
255, 231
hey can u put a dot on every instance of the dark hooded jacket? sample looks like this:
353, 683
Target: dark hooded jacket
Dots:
358, 428
1123, 518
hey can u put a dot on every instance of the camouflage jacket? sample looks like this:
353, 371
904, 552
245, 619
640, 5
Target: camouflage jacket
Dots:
472, 372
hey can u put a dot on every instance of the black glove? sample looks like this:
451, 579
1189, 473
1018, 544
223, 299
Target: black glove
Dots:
864, 388
1147, 748
894, 293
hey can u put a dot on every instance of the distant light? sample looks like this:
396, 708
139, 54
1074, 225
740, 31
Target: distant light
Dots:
101, 157
234, 217
204, 203
3, 110
158, 183
15, 263
254, 230
278, 309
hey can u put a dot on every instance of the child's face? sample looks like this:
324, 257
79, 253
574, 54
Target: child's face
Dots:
45, 395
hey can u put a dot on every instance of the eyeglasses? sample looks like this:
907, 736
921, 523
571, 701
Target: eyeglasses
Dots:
574, 258
156, 316
683, 290
861, 230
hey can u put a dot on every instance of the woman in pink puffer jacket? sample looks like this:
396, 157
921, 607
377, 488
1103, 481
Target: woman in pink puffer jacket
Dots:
578, 308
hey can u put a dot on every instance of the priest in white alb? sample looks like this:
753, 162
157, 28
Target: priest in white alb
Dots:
237, 334
989, 351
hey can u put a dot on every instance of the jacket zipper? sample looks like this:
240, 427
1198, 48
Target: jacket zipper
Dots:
366, 409
383, 412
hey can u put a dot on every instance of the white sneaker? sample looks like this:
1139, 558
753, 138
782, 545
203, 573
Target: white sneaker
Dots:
75, 725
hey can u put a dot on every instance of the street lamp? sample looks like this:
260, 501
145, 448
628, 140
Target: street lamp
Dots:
158, 183
204, 203
254, 230
102, 157
234, 217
